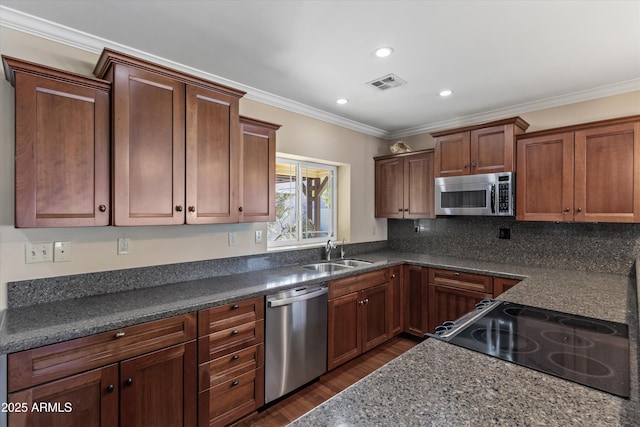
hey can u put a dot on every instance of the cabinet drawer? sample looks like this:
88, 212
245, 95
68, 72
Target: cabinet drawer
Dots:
234, 338
39, 365
348, 285
232, 399
456, 279
227, 316
231, 365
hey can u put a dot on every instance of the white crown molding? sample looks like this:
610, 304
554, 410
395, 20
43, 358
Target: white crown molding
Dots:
32, 25
516, 110
29, 24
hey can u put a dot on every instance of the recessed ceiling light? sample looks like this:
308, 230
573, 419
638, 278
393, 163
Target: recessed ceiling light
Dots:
383, 52
342, 101
445, 92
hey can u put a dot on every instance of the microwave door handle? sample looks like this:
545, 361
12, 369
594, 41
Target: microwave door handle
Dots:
493, 198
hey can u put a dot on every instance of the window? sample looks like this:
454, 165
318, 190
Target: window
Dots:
305, 203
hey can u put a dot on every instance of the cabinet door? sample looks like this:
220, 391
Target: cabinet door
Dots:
607, 173
545, 178
212, 157
258, 171
419, 186
447, 303
389, 188
415, 300
345, 329
89, 399
148, 148
376, 311
396, 299
159, 389
452, 155
492, 149
62, 155
501, 284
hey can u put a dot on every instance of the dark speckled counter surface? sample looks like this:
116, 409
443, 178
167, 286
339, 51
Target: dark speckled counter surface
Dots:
435, 383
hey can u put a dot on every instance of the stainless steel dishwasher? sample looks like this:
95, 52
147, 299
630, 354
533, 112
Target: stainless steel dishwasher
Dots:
295, 339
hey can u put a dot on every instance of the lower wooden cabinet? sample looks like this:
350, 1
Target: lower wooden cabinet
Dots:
415, 300
231, 362
453, 294
359, 315
396, 289
502, 284
137, 376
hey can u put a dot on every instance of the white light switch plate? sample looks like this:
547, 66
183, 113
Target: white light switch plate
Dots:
61, 251
38, 252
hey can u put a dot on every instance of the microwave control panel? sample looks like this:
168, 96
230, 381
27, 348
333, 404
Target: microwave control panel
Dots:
504, 194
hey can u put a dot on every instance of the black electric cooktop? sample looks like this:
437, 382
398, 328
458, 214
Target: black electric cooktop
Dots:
588, 351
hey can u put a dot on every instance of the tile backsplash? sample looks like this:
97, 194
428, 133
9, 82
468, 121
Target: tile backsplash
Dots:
598, 247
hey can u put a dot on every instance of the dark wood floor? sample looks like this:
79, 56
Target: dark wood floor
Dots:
285, 411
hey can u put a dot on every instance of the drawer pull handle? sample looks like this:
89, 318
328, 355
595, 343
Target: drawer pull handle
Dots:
129, 381
235, 357
110, 388
120, 334
235, 332
235, 306
235, 383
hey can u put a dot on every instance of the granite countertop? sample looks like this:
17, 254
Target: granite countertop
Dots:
435, 383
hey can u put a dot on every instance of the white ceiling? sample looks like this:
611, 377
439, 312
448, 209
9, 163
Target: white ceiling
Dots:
500, 58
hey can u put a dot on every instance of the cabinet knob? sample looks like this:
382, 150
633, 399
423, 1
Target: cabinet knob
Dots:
235, 332
406, 209
102, 208
235, 383
400, 210
393, 276
120, 334
235, 306
240, 209
456, 274
567, 209
110, 388
192, 208
235, 357
465, 166
178, 208
579, 209
129, 381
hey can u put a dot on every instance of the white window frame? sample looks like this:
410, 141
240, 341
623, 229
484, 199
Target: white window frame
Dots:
333, 230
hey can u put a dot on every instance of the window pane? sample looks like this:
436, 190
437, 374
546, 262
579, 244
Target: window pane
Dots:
285, 226
317, 202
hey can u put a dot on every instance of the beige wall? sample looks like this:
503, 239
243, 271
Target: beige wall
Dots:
94, 249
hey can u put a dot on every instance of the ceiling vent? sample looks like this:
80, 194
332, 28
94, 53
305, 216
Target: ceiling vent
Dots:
387, 82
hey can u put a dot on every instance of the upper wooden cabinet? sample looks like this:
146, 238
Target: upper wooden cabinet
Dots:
61, 147
589, 173
258, 170
404, 185
484, 148
171, 132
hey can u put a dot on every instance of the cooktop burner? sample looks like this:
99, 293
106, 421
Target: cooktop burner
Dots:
588, 351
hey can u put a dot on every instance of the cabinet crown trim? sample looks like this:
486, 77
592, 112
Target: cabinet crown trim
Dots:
110, 57
410, 153
518, 121
580, 126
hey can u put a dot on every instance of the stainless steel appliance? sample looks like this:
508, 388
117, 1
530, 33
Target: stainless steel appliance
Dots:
588, 351
489, 194
295, 339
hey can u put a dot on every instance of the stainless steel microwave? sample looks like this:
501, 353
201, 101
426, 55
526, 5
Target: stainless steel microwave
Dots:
490, 194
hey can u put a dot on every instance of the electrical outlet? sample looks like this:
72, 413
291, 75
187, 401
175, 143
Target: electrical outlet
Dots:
61, 251
258, 236
232, 239
504, 233
123, 246
38, 252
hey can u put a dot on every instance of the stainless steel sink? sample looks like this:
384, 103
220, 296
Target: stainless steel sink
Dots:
326, 267
352, 262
